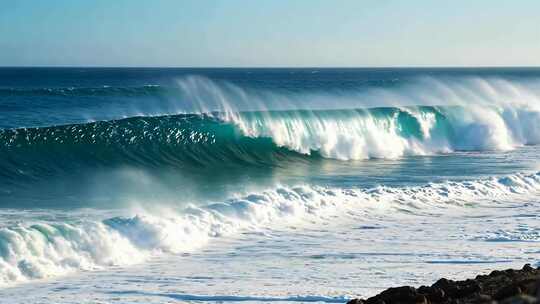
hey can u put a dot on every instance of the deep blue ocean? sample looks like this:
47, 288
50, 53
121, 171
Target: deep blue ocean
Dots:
103, 146
64, 128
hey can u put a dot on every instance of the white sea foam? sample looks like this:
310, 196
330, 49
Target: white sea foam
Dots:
481, 114
50, 248
363, 135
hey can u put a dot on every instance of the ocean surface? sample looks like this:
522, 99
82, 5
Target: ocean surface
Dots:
151, 185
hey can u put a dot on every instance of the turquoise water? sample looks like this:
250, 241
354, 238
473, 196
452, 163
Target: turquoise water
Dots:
104, 168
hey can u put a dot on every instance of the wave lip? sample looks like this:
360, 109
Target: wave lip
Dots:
396, 132
423, 116
50, 248
265, 138
231, 125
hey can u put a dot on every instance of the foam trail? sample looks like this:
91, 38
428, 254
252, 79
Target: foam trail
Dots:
48, 249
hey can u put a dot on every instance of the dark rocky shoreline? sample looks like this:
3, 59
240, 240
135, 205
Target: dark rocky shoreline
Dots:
508, 286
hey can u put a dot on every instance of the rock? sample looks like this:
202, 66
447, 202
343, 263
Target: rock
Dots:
482, 299
374, 301
420, 299
527, 267
529, 286
442, 283
404, 295
496, 273
467, 289
457, 289
356, 301
404, 292
521, 299
505, 287
433, 294
507, 292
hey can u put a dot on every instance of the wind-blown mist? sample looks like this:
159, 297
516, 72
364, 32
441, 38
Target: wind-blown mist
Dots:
165, 168
49, 249
229, 125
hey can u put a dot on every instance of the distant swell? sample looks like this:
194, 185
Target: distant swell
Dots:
264, 138
128, 91
49, 248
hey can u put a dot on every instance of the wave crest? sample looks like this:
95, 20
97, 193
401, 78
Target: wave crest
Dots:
237, 128
266, 138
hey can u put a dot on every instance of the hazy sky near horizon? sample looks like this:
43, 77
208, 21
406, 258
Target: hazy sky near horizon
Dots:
270, 33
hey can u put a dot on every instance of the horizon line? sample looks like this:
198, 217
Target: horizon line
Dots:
277, 67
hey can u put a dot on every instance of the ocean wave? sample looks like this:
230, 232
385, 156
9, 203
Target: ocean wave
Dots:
234, 127
128, 91
50, 248
396, 132
265, 138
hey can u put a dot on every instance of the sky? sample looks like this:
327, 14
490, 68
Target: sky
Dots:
270, 33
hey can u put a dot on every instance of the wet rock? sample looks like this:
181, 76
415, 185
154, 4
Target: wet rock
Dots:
374, 301
521, 299
443, 283
420, 299
507, 292
467, 289
482, 299
527, 267
495, 273
433, 294
404, 294
356, 301
529, 286
505, 287
457, 289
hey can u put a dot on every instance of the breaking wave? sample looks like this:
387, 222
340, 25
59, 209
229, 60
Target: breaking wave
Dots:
232, 126
50, 248
264, 138
220, 125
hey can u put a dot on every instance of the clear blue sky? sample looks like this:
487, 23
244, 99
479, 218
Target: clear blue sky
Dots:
270, 33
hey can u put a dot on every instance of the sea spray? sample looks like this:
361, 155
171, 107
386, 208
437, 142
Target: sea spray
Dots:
251, 137
53, 248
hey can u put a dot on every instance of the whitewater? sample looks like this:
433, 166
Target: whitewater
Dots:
262, 185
